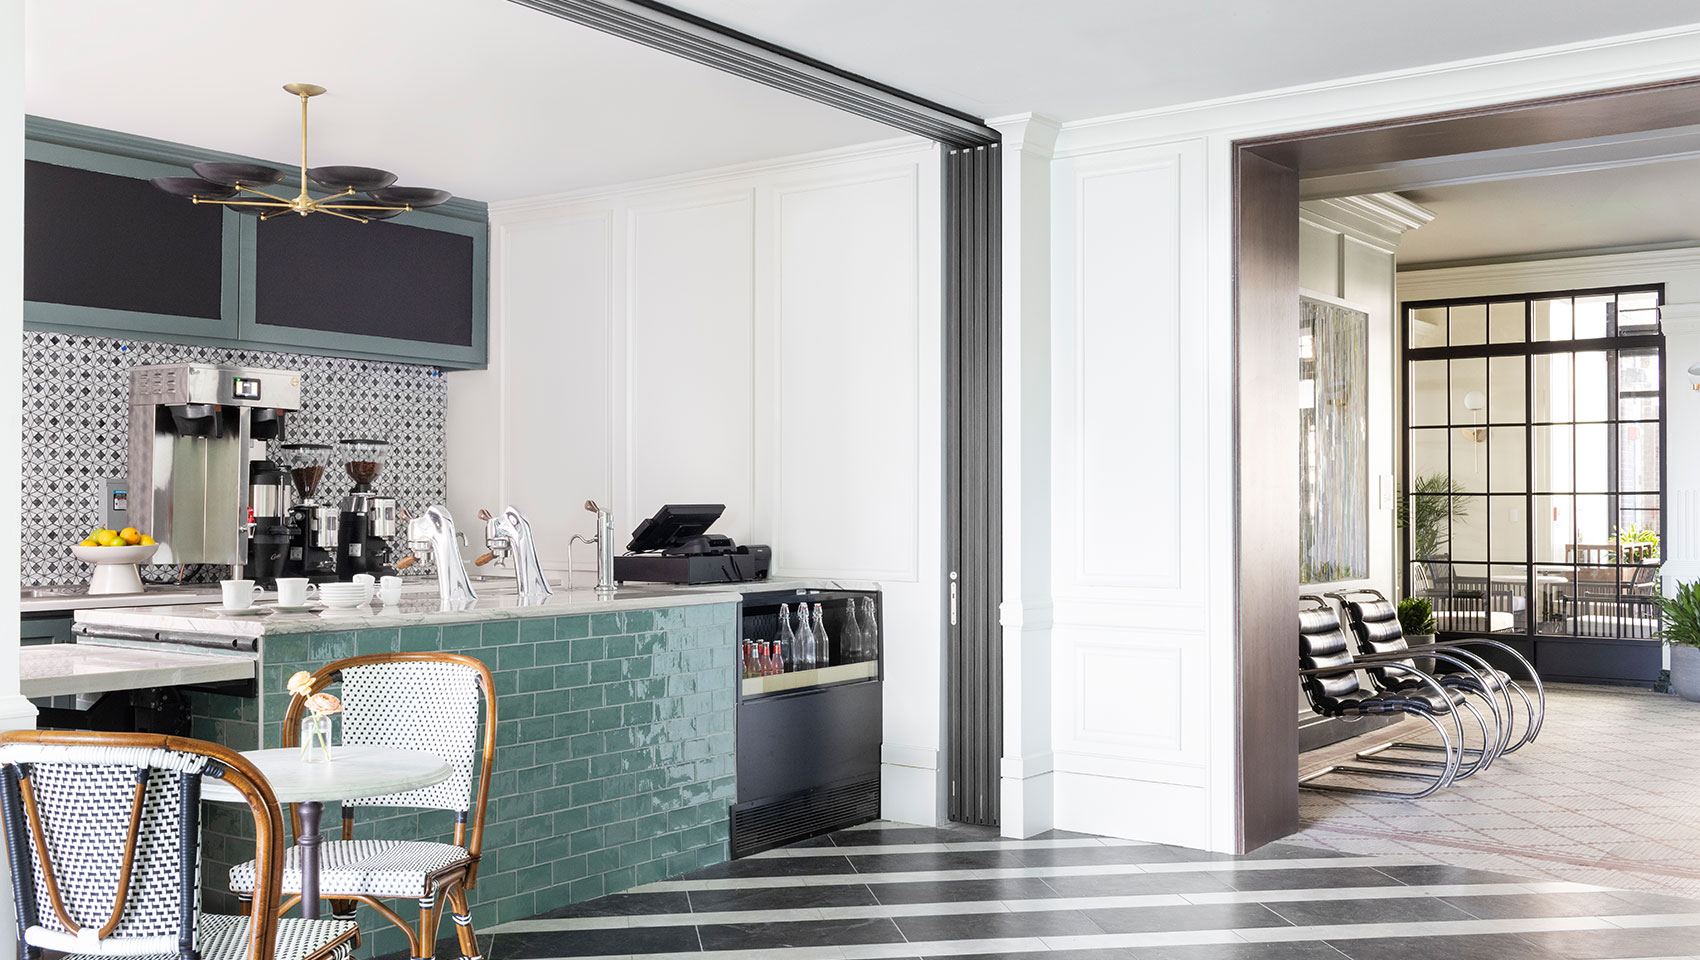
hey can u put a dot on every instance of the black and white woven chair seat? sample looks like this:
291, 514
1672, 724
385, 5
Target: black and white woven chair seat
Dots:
219, 937
367, 868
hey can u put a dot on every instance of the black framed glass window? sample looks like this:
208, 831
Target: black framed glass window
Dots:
1533, 462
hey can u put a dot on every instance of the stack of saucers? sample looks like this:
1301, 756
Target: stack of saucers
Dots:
342, 596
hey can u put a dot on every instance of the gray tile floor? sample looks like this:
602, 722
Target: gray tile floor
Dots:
895, 891
1608, 795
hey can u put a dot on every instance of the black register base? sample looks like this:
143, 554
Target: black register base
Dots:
809, 741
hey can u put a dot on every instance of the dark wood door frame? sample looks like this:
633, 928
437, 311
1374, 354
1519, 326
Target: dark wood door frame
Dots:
1267, 171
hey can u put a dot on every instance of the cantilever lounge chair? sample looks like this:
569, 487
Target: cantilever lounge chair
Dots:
1329, 676
1375, 624
103, 837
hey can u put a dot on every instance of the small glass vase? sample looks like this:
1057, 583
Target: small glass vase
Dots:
318, 734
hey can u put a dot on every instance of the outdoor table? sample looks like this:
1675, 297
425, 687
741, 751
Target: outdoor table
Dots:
352, 773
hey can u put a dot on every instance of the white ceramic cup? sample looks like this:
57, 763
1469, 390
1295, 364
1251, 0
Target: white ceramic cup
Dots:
366, 582
238, 594
293, 591
389, 591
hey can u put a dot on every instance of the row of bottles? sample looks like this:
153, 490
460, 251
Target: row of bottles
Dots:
807, 647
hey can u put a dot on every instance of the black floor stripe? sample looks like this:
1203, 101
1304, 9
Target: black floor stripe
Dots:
782, 898
811, 933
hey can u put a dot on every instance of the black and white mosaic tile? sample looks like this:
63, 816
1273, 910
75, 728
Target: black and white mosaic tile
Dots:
76, 414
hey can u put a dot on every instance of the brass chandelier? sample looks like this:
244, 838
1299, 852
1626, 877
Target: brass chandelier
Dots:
237, 185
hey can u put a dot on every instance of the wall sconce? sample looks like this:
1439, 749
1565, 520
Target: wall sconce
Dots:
1475, 401
1694, 376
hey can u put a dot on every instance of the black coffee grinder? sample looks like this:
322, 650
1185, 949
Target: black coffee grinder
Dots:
312, 525
268, 516
367, 521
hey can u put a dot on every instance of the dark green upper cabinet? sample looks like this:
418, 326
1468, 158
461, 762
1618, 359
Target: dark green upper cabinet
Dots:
107, 254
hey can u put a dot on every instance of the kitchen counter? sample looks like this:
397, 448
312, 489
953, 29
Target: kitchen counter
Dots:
86, 668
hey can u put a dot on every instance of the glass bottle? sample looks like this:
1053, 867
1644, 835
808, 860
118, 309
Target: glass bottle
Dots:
870, 630
850, 635
775, 663
787, 641
805, 639
823, 643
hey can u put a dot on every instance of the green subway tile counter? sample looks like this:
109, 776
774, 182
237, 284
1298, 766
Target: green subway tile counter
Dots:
615, 739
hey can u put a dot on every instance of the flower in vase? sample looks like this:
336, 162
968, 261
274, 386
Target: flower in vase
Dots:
301, 684
324, 704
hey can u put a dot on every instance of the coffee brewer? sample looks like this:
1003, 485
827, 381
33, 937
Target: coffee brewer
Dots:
368, 520
312, 525
192, 426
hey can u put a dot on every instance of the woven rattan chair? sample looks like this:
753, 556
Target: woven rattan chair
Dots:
103, 837
410, 701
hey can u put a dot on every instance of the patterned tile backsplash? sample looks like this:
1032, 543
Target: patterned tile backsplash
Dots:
76, 416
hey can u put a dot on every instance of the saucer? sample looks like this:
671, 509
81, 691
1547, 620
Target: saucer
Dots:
245, 612
304, 608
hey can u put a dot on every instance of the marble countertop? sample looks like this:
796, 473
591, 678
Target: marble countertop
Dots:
51, 670
421, 608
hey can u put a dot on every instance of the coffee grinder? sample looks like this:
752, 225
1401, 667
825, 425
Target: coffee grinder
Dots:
367, 521
312, 525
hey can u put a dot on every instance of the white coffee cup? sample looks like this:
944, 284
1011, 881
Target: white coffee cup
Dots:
389, 591
293, 591
366, 582
238, 594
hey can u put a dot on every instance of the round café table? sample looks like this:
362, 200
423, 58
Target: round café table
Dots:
352, 773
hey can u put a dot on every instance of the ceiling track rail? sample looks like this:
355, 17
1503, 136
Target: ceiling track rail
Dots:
681, 34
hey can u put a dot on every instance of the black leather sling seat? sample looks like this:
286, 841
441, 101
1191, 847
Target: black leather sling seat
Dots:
1376, 624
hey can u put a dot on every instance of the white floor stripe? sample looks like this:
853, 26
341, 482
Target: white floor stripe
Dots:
895, 910
1007, 873
1355, 931
971, 846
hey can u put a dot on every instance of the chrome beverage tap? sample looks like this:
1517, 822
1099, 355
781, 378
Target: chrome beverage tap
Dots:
604, 541
434, 534
509, 533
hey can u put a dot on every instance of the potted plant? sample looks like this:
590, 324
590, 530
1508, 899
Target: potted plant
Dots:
1681, 616
1416, 620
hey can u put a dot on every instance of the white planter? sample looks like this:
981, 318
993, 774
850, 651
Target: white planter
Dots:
1685, 671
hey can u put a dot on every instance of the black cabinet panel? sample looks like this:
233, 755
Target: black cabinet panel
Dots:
113, 242
375, 279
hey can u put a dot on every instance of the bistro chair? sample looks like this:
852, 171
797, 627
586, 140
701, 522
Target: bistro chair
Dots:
1375, 624
1329, 676
103, 837
409, 701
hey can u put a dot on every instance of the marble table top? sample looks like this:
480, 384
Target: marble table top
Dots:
352, 772
60, 669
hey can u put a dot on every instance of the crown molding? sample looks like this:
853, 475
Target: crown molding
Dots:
67, 134
527, 207
1378, 219
1028, 133
1651, 266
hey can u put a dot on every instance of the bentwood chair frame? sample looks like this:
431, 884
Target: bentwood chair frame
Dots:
449, 883
1484, 676
1330, 678
141, 919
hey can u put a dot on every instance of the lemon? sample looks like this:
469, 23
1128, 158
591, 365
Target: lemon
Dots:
111, 539
88, 543
147, 541
130, 535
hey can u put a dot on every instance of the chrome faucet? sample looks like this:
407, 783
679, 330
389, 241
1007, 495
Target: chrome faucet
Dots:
434, 534
604, 541
510, 535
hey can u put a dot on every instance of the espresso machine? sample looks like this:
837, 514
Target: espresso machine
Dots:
312, 525
191, 428
368, 520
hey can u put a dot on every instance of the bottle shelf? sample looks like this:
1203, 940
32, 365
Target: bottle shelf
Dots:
818, 677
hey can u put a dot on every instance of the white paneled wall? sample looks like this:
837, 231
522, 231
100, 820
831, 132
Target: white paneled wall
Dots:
1130, 709
766, 337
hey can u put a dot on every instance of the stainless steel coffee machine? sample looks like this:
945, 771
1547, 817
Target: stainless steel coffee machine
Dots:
191, 426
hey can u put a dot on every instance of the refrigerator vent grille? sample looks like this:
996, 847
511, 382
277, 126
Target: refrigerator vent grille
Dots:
775, 823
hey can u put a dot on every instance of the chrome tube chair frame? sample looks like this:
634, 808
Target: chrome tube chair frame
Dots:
1534, 708
1329, 675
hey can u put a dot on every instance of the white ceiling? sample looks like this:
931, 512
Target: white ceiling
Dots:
1642, 206
484, 98
1072, 59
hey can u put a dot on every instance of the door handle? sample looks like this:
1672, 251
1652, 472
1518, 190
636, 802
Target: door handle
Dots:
953, 598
